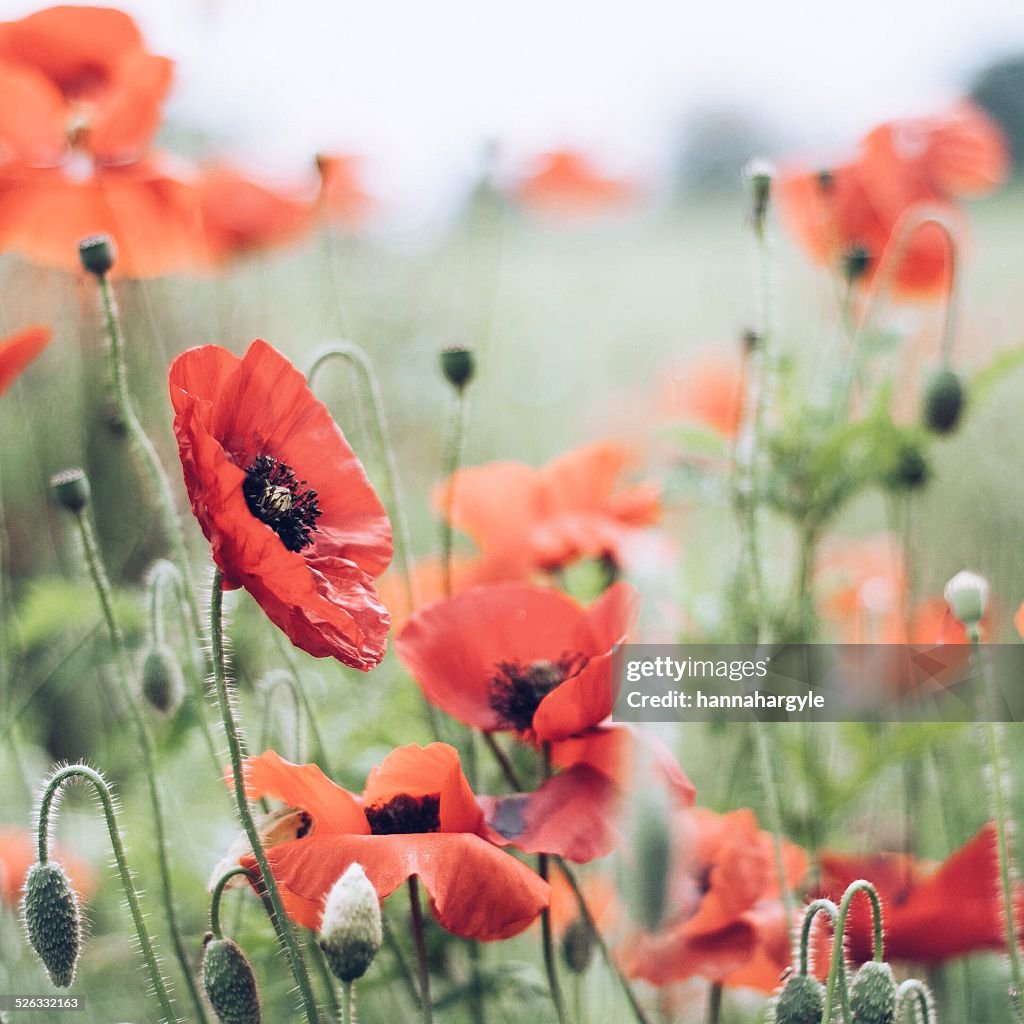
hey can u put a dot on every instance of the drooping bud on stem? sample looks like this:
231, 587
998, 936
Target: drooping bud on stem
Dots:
873, 994
458, 364
71, 489
944, 401
162, 686
802, 1001
230, 983
53, 921
98, 254
578, 946
351, 931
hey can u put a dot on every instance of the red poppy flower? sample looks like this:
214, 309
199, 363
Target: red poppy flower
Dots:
931, 913
567, 184
18, 350
709, 391
282, 499
343, 198
18, 852
724, 919
927, 162
241, 215
78, 74
527, 519
417, 816
512, 656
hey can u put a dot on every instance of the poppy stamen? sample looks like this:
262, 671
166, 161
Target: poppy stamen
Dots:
517, 690
276, 498
405, 815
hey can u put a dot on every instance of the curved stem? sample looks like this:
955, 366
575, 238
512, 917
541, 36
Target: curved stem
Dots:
312, 719
218, 892
127, 883
819, 906
101, 582
284, 924
913, 990
421, 949
270, 683
1000, 812
147, 452
837, 968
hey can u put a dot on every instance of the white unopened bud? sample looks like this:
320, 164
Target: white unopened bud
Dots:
967, 596
351, 933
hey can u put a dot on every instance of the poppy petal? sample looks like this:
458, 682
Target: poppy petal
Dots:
17, 351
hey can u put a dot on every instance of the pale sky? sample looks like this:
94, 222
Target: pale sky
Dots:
416, 86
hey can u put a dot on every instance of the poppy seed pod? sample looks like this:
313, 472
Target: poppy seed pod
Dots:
98, 254
53, 921
351, 932
967, 596
856, 261
230, 983
71, 489
162, 687
944, 401
458, 366
873, 994
908, 469
802, 1001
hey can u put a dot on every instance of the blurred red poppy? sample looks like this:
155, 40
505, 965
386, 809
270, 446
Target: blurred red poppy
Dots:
902, 166
512, 656
707, 390
525, 519
18, 852
242, 215
724, 918
343, 197
18, 350
282, 499
930, 913
416, 816
567, 184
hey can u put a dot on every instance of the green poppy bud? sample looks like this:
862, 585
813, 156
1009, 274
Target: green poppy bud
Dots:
351, 931
873, 994
967, 596
162, 687
230, 983
53, 922
944, 401
802, 1001
856, 261
578, 946
458, 366
97, 253
908, 469
71, 489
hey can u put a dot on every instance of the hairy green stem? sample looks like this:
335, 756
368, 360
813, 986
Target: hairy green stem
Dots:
346, 1002
97, 571
547, 937
284, 924
419, 937
837, 968
913, 991
819, 906
218, 892
268, 687
131, 894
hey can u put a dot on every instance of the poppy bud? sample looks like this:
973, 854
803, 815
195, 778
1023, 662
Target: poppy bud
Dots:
71, 489
53, 922
751, 340
967, 596
944, 401
759, 174
230, 983
908, 469
162, 687
578, 946
97, 253
856, 261
873, 994
826, 179
351, 932
458, 366
653, 847
802, 1001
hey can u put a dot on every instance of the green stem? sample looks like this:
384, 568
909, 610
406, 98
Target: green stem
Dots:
774, 810
346, 1002
421, 949
453, 457
393, 944
912, 991
312, 718
150, 459
837, 968
547, 936
127, 883
286, 931
819, 906
714, 1003
267, 688
1000, 811
94, 561
218, 892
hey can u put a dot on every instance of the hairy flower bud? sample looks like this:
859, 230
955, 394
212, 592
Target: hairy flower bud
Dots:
802, 1001
967, 596
53, 922
97, 253
162, 687
351, 932
944, 401
578, 946
71, 489
230, 983
458, 366
873, 994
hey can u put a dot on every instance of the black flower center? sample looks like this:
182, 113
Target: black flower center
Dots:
405, 815
516, 690
285, 504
